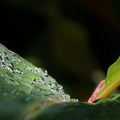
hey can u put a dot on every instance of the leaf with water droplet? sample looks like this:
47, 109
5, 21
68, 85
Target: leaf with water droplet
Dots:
22, 82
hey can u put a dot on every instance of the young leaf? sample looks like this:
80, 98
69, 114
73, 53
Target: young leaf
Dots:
111, 82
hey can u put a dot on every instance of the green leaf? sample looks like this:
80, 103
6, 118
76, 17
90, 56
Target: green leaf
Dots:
24, 88
81, 111
112, 80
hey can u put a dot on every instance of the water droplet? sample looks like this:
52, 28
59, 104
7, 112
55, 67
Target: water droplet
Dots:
9, 69
73, 100
45, 72
35, 80
28, 68
36, 70
5, 53
16, 71
43, 80
60, 87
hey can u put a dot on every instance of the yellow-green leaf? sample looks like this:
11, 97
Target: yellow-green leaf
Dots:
112, 80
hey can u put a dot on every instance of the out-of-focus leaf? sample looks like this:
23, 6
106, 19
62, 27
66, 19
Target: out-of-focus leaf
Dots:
108, 110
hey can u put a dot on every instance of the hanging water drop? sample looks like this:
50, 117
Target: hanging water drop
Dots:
45, 72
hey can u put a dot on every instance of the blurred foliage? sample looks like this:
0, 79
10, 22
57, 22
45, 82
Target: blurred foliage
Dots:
74, 40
